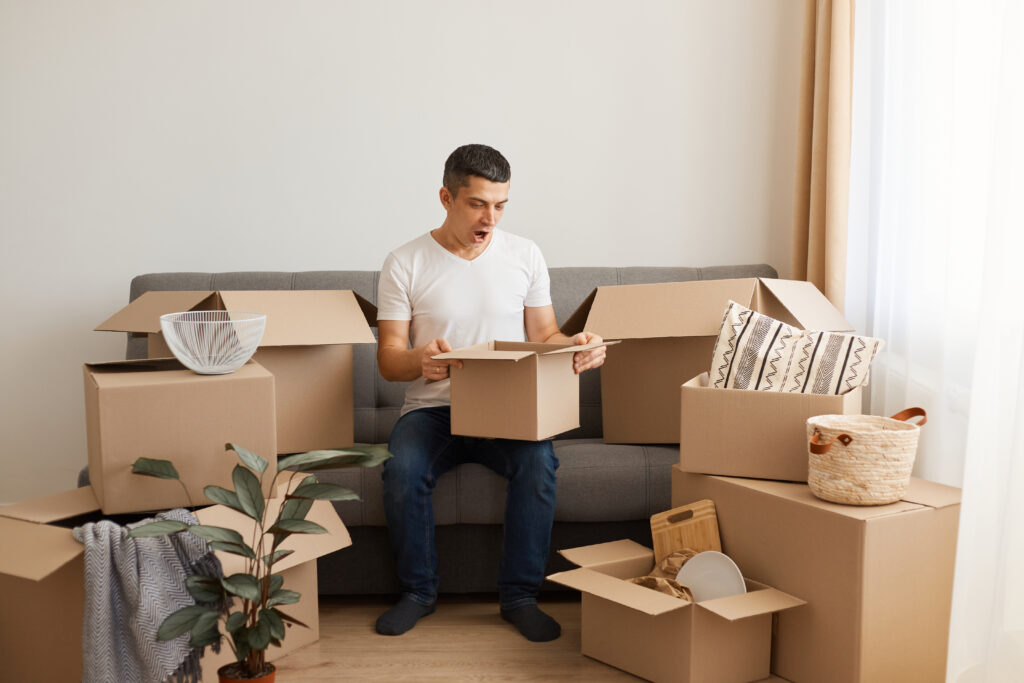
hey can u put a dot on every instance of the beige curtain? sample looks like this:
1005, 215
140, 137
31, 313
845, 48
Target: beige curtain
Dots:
823, 153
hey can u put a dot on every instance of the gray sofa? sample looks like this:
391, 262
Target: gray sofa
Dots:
605, 492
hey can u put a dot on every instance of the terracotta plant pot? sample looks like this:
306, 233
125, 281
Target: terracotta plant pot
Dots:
233, 676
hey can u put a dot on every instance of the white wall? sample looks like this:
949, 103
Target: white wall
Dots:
141, 136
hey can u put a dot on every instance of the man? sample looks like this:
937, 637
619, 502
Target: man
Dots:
465, 283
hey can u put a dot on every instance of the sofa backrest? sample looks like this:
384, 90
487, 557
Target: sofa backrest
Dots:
378, 402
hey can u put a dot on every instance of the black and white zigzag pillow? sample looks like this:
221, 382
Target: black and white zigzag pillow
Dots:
757, 352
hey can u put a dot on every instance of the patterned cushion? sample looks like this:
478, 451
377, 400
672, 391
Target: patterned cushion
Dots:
756, 352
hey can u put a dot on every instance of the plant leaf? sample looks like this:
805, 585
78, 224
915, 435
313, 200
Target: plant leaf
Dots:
235, 622
276, 625
161, 469
204, 632
259, 637
204, 588
241, 638
161, 528
283, 597
249, 459
323, 491
250, 496
289, 619
269, 560
296, 508
234, 549
276, 581
217, 533
221, 495
356, 456
181, 621
242, 585
297, 526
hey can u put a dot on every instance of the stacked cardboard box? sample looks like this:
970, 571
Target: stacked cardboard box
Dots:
307, 347
297, 396
877, 581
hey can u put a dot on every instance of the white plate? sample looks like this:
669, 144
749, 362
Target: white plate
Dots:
711, 575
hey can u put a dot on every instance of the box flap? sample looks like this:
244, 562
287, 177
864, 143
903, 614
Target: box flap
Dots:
54, 507
669, 309
618, 591
759, 599
486, 351
573, 348
931, 493
305, 317
808, 306
34, 551
306, 546
578, 318
143, 314
603, 553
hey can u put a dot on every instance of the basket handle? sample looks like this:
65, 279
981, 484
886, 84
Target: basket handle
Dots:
819, 448
911, 413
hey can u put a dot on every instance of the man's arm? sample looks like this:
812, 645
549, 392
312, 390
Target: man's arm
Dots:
399, 363
541, 326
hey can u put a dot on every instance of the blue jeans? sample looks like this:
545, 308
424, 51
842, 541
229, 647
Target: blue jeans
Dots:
424, 449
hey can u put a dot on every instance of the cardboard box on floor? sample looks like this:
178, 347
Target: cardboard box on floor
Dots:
760, 434
159, 409
878, 580
42, 588
306, 345
660, 637
668, 333
515, 390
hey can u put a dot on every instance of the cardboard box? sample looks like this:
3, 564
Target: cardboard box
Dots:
515, 390
668, 334
160, 409
660, 637
306, 345
878, 580
745, 433
42, 591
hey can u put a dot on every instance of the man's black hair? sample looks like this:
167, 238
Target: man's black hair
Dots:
478, 160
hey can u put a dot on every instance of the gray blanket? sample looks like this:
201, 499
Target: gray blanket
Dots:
131, 586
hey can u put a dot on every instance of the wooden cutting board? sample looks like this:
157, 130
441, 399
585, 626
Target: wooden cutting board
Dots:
693, 526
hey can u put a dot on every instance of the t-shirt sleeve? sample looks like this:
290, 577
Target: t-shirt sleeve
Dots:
539, 293
393, 292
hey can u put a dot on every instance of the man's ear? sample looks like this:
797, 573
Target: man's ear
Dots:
446, 198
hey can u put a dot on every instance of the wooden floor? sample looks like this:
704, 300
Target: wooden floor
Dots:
464, 640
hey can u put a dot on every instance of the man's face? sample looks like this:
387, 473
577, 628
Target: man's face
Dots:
475, 211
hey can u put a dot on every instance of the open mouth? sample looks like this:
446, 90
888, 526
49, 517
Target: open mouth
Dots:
480, 235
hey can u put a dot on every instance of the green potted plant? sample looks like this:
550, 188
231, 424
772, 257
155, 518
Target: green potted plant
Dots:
259, 622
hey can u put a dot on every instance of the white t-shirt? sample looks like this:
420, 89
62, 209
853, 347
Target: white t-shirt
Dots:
466, 302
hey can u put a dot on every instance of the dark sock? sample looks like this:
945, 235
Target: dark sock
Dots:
402, 617
532, 623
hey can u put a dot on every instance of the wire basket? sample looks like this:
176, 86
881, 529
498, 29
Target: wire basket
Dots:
872, 462
213, 342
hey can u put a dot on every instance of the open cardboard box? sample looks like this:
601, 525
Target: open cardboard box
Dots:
743, 433
306, 346
159, 409
878, 580
668, 333
515, 390
660, 637
42, 589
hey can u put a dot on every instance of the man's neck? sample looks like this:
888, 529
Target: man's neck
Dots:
451, 243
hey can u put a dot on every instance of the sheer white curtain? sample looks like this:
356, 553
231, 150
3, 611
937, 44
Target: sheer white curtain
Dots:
936, 268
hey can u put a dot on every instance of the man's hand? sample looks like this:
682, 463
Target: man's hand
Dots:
436, 370
587, 360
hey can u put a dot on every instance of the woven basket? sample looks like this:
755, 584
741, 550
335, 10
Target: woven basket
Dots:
870, 464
